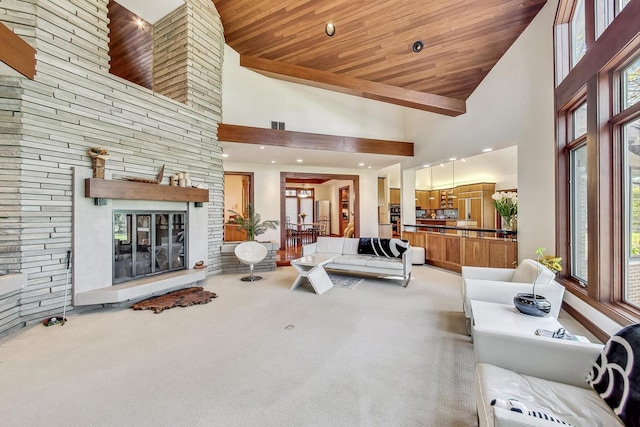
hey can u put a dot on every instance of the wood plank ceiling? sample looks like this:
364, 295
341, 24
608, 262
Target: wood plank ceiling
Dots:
371, 53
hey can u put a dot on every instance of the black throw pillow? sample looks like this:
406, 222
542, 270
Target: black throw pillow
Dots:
390, 248
615, 376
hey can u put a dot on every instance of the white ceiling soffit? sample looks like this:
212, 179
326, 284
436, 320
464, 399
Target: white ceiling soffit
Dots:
252, 153
151, 10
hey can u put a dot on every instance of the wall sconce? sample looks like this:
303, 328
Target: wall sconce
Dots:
418, 46
330, 29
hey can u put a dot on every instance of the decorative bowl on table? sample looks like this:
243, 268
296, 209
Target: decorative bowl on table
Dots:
533, 305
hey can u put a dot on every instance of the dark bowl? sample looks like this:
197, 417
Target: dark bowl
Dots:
526, 304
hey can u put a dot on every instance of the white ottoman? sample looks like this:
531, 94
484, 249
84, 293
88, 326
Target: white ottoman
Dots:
417, 255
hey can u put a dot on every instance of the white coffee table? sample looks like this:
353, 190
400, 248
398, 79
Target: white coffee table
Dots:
310, 268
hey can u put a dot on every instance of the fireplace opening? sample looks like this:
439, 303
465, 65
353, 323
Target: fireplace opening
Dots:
148, 243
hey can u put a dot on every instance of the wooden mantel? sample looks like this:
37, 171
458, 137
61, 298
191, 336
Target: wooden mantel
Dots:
130, 190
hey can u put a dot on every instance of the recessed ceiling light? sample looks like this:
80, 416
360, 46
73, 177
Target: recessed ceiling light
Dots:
418, 46
330, 29
360, 164
425, 166
225, 155
262, 147
453, 159
273, 161
441, 165
368, 167
462, 160
486, 150
299, 160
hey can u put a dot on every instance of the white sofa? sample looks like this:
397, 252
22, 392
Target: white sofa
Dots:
349, 260
500, 285
549, 376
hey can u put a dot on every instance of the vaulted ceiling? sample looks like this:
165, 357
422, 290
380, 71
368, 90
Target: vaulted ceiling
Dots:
371, 53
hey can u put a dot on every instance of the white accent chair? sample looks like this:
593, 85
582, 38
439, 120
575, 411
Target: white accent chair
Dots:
555, 378
250, 253
500, 285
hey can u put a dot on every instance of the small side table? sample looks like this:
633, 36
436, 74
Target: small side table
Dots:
310, 268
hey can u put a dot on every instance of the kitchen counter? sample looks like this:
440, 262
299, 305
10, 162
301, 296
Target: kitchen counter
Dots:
447, 222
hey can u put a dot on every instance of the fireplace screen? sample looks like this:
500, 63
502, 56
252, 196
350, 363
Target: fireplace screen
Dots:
148, 243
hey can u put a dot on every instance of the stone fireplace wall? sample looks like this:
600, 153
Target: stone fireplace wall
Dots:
47, 125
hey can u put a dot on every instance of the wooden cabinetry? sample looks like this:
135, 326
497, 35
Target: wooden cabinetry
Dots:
232, 234
394, 196
452, 251
422, 199
475, 203
434, 199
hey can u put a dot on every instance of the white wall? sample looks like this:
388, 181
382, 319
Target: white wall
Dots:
251, 99
513, 106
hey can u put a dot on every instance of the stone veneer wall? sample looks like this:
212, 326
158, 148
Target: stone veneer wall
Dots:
47, 125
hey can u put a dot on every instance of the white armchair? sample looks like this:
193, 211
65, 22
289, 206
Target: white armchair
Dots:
500, 285
569, 381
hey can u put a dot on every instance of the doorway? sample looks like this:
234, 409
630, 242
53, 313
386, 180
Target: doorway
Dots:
325, 187
238, 195
345, 209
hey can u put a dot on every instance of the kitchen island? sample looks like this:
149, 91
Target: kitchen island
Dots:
451, 247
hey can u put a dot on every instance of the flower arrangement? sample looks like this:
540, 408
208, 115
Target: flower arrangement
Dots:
302, 216
506, 203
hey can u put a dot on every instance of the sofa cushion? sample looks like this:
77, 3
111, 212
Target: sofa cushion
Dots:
351, 260
389, 248
350, 246
329, 245
615, 375
574, 405
529, 269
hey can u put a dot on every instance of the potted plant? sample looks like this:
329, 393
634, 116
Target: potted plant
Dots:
531, 303
252, 224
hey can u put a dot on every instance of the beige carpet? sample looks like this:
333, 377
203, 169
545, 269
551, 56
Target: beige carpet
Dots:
259, 355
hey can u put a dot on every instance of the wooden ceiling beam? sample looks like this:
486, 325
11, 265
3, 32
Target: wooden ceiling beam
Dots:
312, 141
17, 53
354, 86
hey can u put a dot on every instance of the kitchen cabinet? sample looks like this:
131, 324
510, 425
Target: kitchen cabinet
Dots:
394, 196
422, 199
452, 251
434, 199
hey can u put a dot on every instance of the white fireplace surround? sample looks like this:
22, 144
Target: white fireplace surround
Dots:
92, 255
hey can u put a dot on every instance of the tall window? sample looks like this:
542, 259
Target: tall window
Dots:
599, 155
578, 33
631, 84
578, 194
578, 210
631, 138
